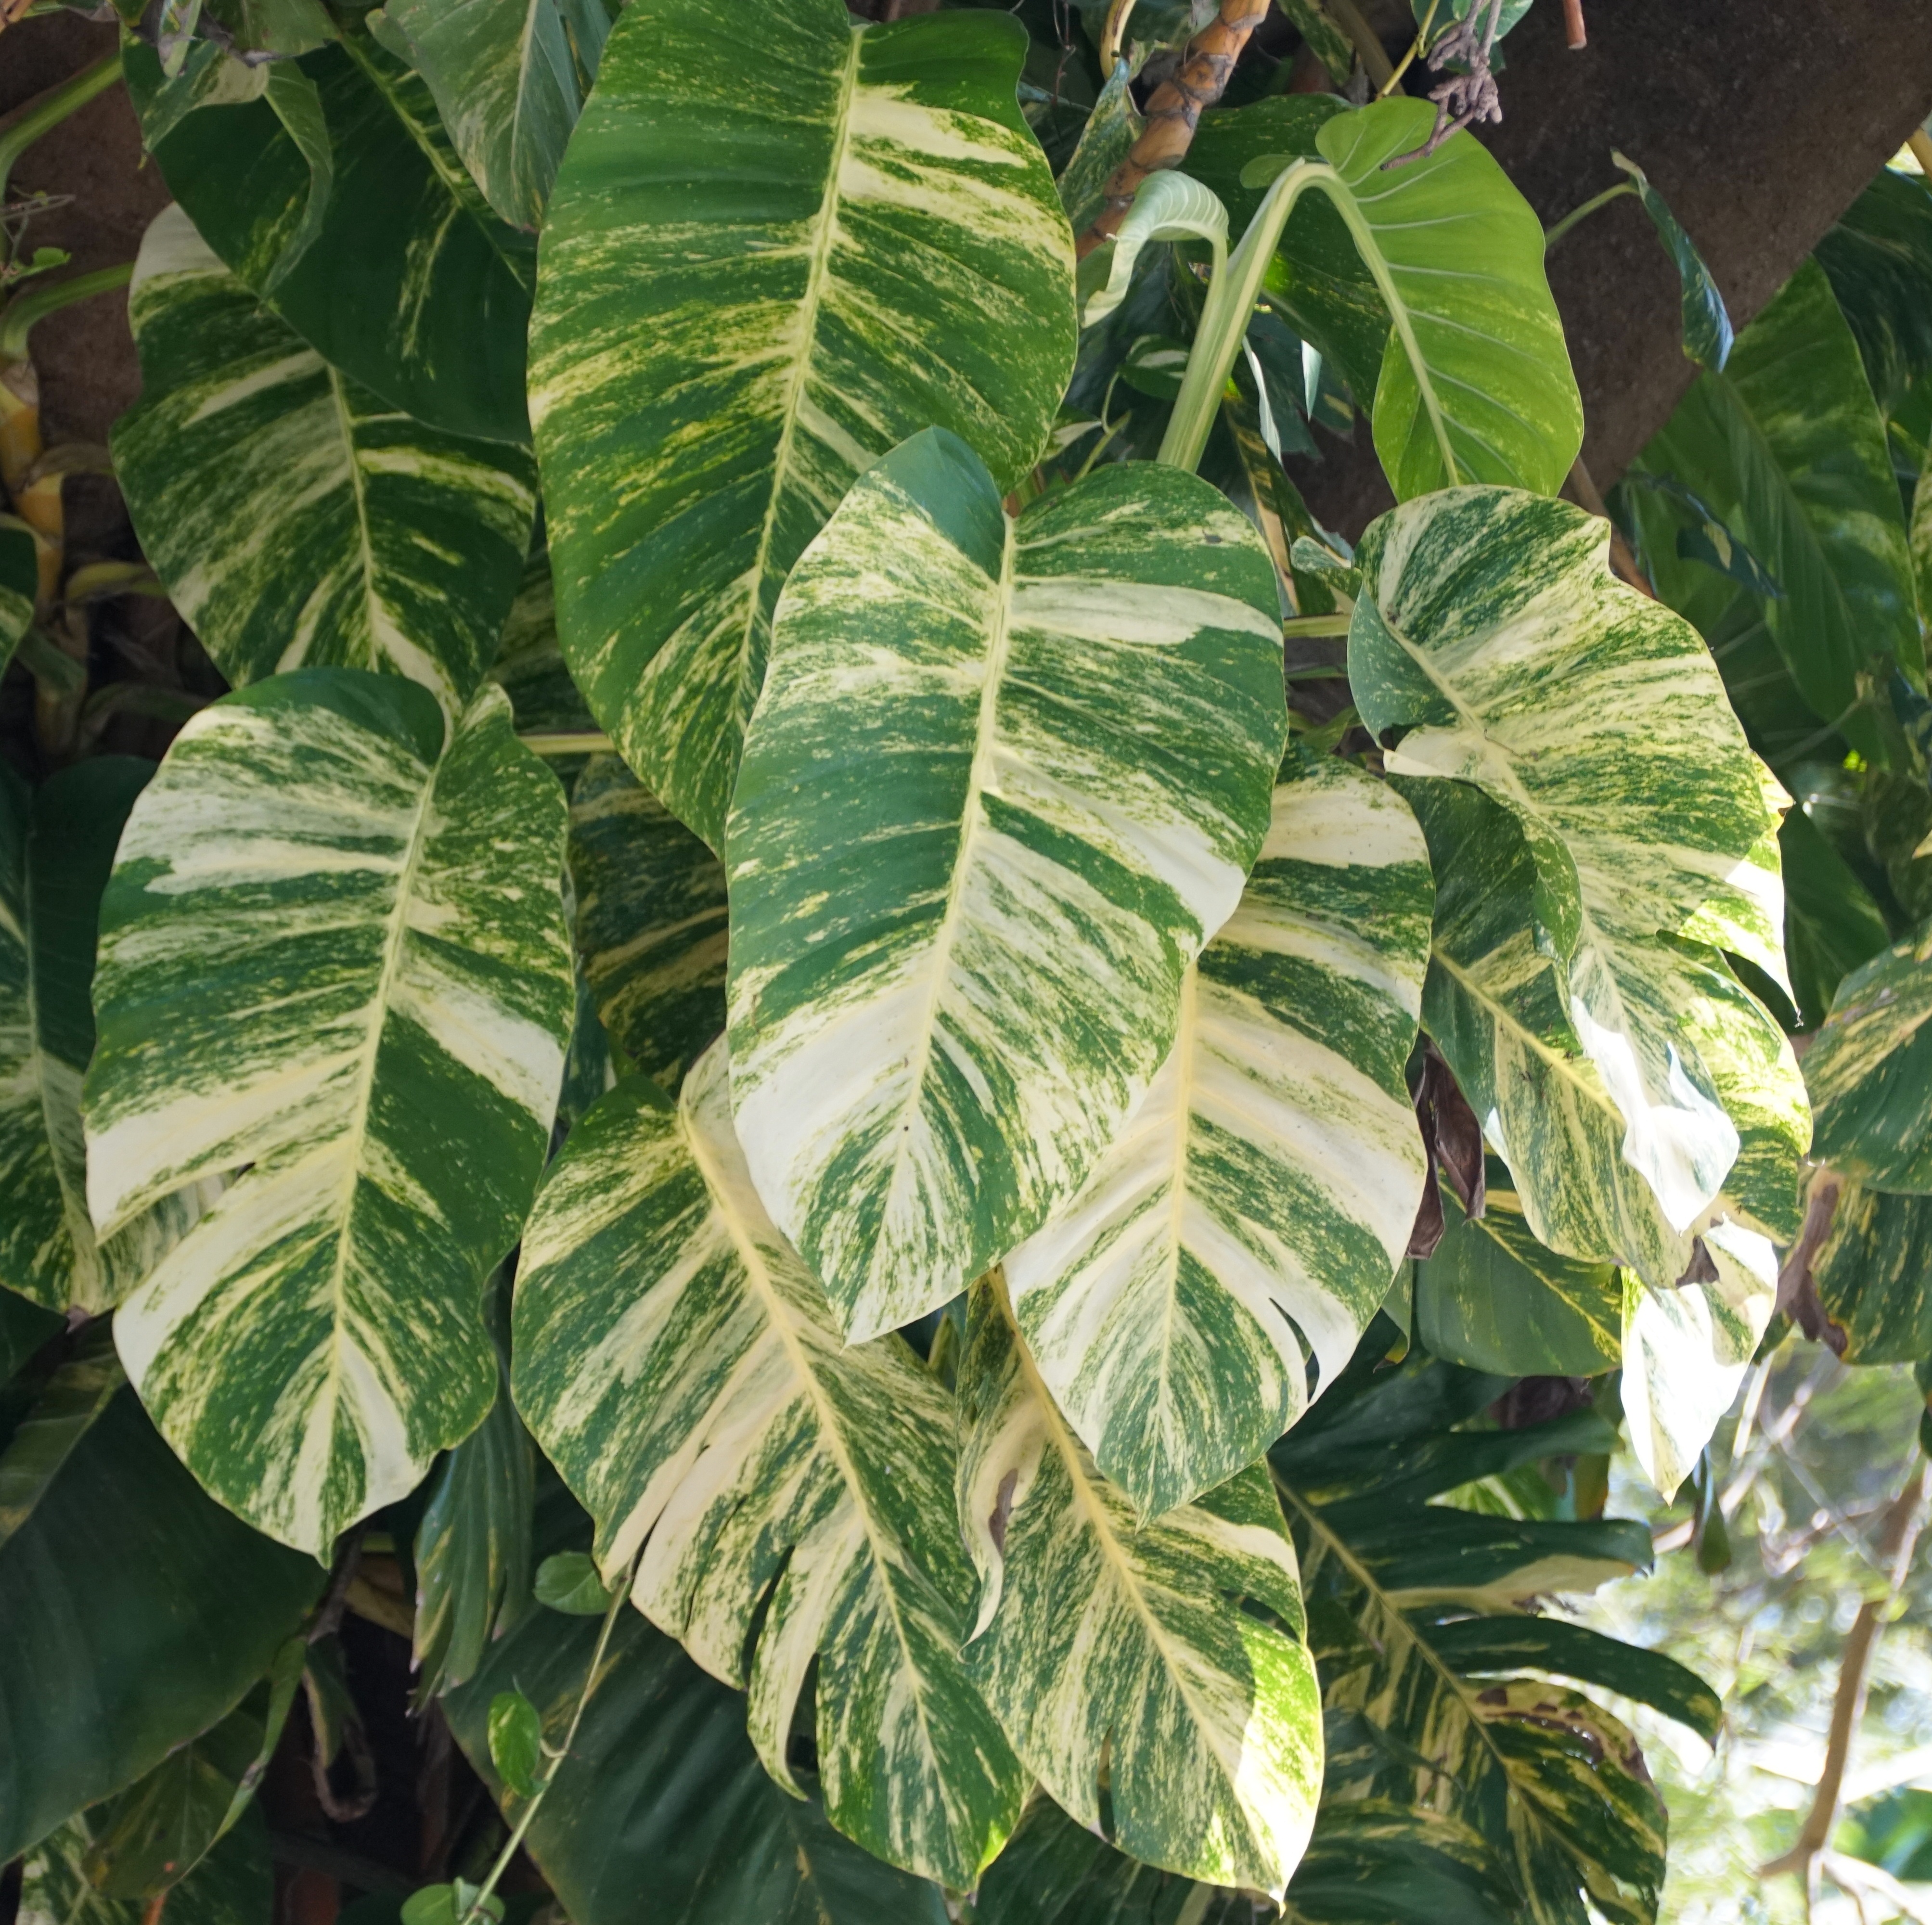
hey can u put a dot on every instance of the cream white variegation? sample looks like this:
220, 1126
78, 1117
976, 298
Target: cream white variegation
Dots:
1219, 1264
334, 968
297, 520
786, 1501
718, 347
1155, 1678
1004, 780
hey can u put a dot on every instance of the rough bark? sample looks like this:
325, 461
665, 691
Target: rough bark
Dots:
1759, 120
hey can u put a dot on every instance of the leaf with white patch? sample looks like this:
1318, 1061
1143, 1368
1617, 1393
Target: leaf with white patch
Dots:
1169, 206
55, 851
1005, 779
295, 519
1870, 1071
650, 922
1155, 1678
334, 968
786, 1500
757, 277
1215, 1271
509, 78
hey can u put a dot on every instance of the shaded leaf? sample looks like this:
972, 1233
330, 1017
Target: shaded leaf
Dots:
1707, 325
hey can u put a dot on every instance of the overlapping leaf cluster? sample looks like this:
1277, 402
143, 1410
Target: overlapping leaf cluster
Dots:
928, 926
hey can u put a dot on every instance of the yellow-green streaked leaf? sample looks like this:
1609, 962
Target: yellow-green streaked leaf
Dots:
411, 286
296, 520
1686, 1349
1870, 1071
1153, 1677
1004, 780
55, 851
19, 583
1493, 1298
759, 275
1216, 1270
508, 77
787, 1499
333, 967
1874, 1274
1475, 357
650, 922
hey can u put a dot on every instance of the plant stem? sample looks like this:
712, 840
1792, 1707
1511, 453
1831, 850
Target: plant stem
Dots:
619, 1599
1316, 624
44, 298
1415, 47
69, 96
1369, 50
1575, 35
1552, 235
568, 742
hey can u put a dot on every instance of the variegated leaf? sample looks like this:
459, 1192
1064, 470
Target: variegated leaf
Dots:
56, 850
1155, 1678
1493, 645
296, 520
1873, 1275
410, 284
1215, 1271
757, 276
334, 967
1004, 780
1686, 1349
786, 1500
650, 922
509, 77
1870, 1071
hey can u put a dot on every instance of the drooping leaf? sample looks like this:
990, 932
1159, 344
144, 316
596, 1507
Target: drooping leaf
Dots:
1870, 1072
274, 26
1111, 129
138, 1613
1873, 1275
1421, 1641
296, 520
1493, 1298
1786, 445
361, 992
1156, 1673
1709, 539
412, 287
1169, 206
720, 347
1832, 923
509, 77
650, 922
1005, 779
662, 1791
789, 1497
234, 1885
1878, 258
55, 852
296, 102
66, 1410
1216, 1271
1708, 335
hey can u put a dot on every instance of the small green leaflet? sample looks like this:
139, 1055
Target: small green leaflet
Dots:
717, 353
1218, 1266
359, 994
650, 922
411, 287
296, 520
1156, 1673
55, 852
1870, 1072
1707, 325
791, 1498
516, 1742
1493, 1298
1004, 780
509, 78
568, 1582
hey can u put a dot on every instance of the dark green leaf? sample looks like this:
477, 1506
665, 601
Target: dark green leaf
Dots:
1831, 923
1707, 326
234, 1884
1878, 259
63, 1413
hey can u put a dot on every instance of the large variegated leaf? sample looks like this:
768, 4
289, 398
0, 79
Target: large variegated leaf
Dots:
1787, 446
410, 285
1493, 645
786, 1500
1153, 1677
54, 855
1870, 1072
1217, 1268
650, 922
297, 520
334, 966
757, 276
1005, 778
1872, 1274
509, 77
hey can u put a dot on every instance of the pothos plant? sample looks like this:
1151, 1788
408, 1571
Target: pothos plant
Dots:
758, 915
